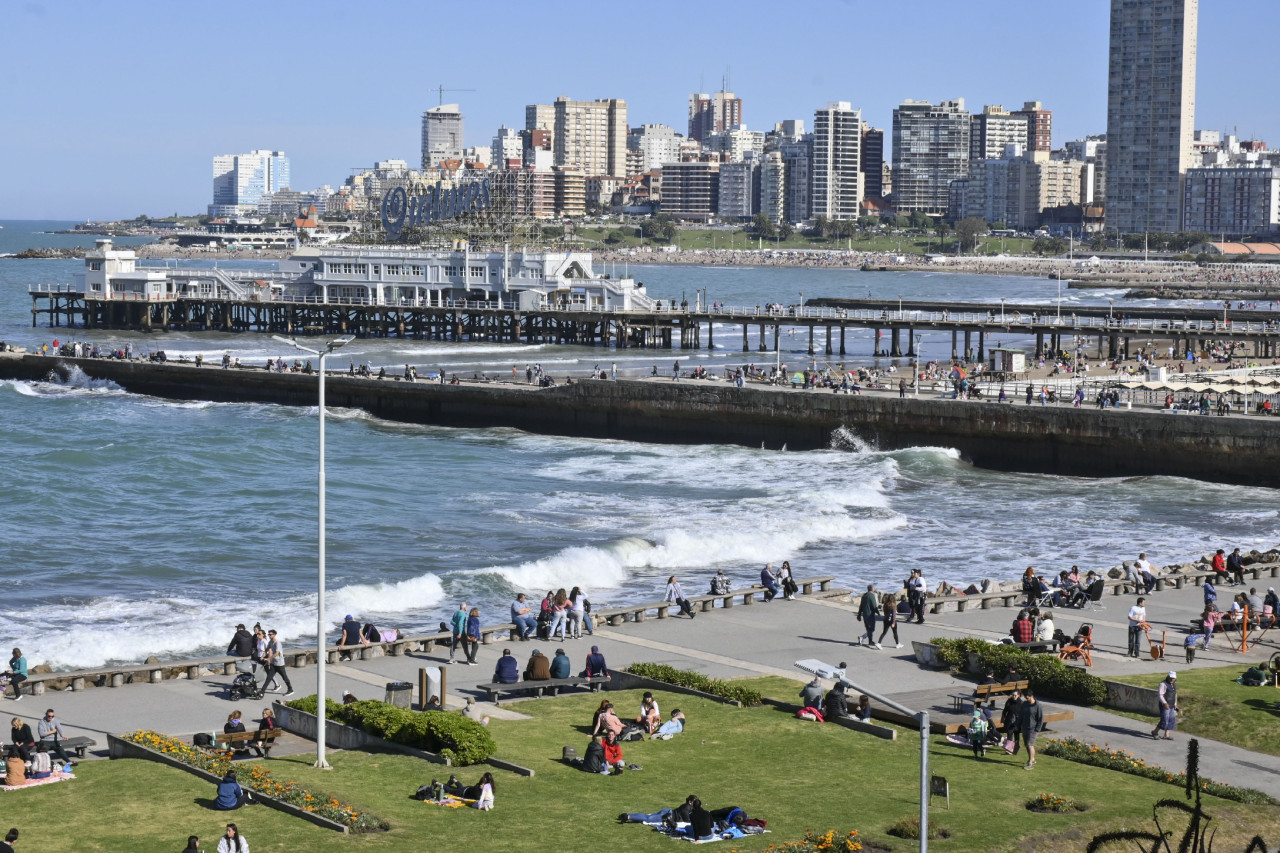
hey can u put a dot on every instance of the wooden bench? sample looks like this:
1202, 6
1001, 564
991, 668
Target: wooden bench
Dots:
984, 692
241, 741
496, 689
79, 745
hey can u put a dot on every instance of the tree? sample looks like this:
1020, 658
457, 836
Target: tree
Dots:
868, 221
999, 225
763, 226
942, 229
921, 220
1049, 246
785, 230
968, 230
659, 228
614, 237
900, 221
819, 228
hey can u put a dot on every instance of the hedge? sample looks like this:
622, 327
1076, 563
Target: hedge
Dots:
697, 681
1049, 677
463, 741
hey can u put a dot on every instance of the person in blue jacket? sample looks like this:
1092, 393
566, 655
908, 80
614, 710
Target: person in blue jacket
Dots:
17, 672
508, 670
230, 794
560, 665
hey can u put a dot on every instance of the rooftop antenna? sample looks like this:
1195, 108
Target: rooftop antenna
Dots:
440, 90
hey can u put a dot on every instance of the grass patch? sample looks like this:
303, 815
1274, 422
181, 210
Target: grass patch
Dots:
1215, 706
757, 758
719, 238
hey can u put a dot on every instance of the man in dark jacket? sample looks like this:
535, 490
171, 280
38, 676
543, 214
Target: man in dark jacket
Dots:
835, 705
560, 665
868, 610
507, 671
241, 644
1030, 719
596, 666
593, 761
539, 669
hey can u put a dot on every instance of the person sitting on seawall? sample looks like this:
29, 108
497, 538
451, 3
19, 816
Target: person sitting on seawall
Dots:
1031, 586
680, 814
720, 583
769, 582
230, 794
538, 668
675, 593
596, 666
836, 703
863, 710
17, 673
507, 671
671, 727
560, 665
786, 582
811, 695
650, 717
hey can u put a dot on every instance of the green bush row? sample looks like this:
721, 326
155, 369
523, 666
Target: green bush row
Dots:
1126, 762
463, 741
1049, 677
697, 681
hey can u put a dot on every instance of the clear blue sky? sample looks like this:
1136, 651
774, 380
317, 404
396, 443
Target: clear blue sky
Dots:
113, 109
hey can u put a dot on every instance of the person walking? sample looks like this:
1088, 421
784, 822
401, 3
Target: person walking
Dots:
471, 641
1137, 619
1168, 694
458, 627
273, 660
868, 609
1030, 720
890, 619
916, 594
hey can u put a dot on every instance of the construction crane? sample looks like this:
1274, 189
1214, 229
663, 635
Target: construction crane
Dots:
441, 90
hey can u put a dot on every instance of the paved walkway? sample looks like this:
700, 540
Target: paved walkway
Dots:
762, 639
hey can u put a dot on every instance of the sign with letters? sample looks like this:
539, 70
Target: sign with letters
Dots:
400, 210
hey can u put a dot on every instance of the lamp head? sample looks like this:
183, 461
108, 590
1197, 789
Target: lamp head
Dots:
341, 342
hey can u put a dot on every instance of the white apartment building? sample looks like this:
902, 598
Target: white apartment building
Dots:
654, 145
736, 142
993, 129
738, 190
441, 135
773, 186
835, 174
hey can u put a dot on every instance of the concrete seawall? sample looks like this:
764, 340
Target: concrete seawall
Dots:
1060, 440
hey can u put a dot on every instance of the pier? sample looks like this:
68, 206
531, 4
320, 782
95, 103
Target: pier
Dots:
826, 323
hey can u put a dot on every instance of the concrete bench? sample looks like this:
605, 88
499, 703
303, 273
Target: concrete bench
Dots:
241, 741
79, 745
496, 689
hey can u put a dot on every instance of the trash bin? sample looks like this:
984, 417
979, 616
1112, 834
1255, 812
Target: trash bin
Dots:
400, 694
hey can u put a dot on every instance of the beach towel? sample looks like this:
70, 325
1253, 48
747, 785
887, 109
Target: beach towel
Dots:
31, 783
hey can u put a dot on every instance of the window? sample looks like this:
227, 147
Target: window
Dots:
451, 271
477, 272
361, 269
375, 269
95, 265
392, 269
415, 271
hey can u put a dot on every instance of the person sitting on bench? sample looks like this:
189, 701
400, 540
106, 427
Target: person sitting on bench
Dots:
560, 666
49, 730
596, 666
507, 671
538, 668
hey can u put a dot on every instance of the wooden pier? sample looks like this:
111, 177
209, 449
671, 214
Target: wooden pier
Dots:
896, 328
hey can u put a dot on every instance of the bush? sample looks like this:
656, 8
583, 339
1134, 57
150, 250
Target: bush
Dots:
1126, 762
1053, 803
697, 681
1049, 677
909, 827
461, 740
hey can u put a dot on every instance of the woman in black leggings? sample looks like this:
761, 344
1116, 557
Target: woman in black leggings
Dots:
890, 616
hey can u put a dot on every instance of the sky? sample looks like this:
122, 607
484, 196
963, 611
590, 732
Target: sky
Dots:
115, 109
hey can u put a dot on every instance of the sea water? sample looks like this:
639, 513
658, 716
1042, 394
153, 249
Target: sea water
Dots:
138, 526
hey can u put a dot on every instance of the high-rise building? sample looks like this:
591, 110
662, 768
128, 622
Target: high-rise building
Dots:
1151, 105
591, 136
441, 135
872, 165
930, 150
1232, 201
773, 187
991, 130
240, 180
654, 144
835, 172
691, 190
1039, 126
739, 190
735, 142
712, 113
1018, 190
797, 157
508, 148
541, 117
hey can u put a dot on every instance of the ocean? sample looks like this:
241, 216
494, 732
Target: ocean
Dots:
140, 526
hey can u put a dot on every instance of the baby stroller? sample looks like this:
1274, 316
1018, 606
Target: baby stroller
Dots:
245, 685
1079, 648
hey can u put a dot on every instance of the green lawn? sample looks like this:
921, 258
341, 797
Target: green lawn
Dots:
797, 775
710, 238
1215, 706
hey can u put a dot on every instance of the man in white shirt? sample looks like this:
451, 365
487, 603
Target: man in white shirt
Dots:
1137, 616
1143, 573
916, 592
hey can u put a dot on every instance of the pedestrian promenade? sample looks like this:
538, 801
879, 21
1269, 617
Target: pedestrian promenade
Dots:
765, 639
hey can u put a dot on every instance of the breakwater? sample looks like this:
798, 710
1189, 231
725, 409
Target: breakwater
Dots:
1010, 437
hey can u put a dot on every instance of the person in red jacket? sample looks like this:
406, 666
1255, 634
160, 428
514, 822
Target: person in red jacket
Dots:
613, 753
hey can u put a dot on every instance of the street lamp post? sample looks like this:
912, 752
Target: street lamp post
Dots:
321, 763
1059, 299
899, 306
1002, 310
1111, 303
919, 349
800, 309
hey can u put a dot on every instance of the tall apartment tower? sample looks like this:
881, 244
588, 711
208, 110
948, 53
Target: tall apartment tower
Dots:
872, 162
591, 136
441, 135
836, 168
1151, 106
241, 180
541, 117
992, 130
713, 113
1039, 126
930, 150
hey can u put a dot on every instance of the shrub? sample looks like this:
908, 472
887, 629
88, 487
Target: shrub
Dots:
461, 740
697, 681
1053, 803
909, 827
1049, 677
1126, 762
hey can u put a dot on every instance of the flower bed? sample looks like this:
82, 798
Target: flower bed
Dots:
697, 681
257, 779
828, 842
1126, 762
1053, 803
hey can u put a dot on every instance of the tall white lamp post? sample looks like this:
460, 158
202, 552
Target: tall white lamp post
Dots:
320, 623
919, 348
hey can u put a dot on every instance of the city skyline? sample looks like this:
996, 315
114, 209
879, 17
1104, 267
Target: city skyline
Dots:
123, 132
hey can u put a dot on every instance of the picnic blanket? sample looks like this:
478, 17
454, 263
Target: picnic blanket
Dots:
450, 802
681, 832
49, 780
